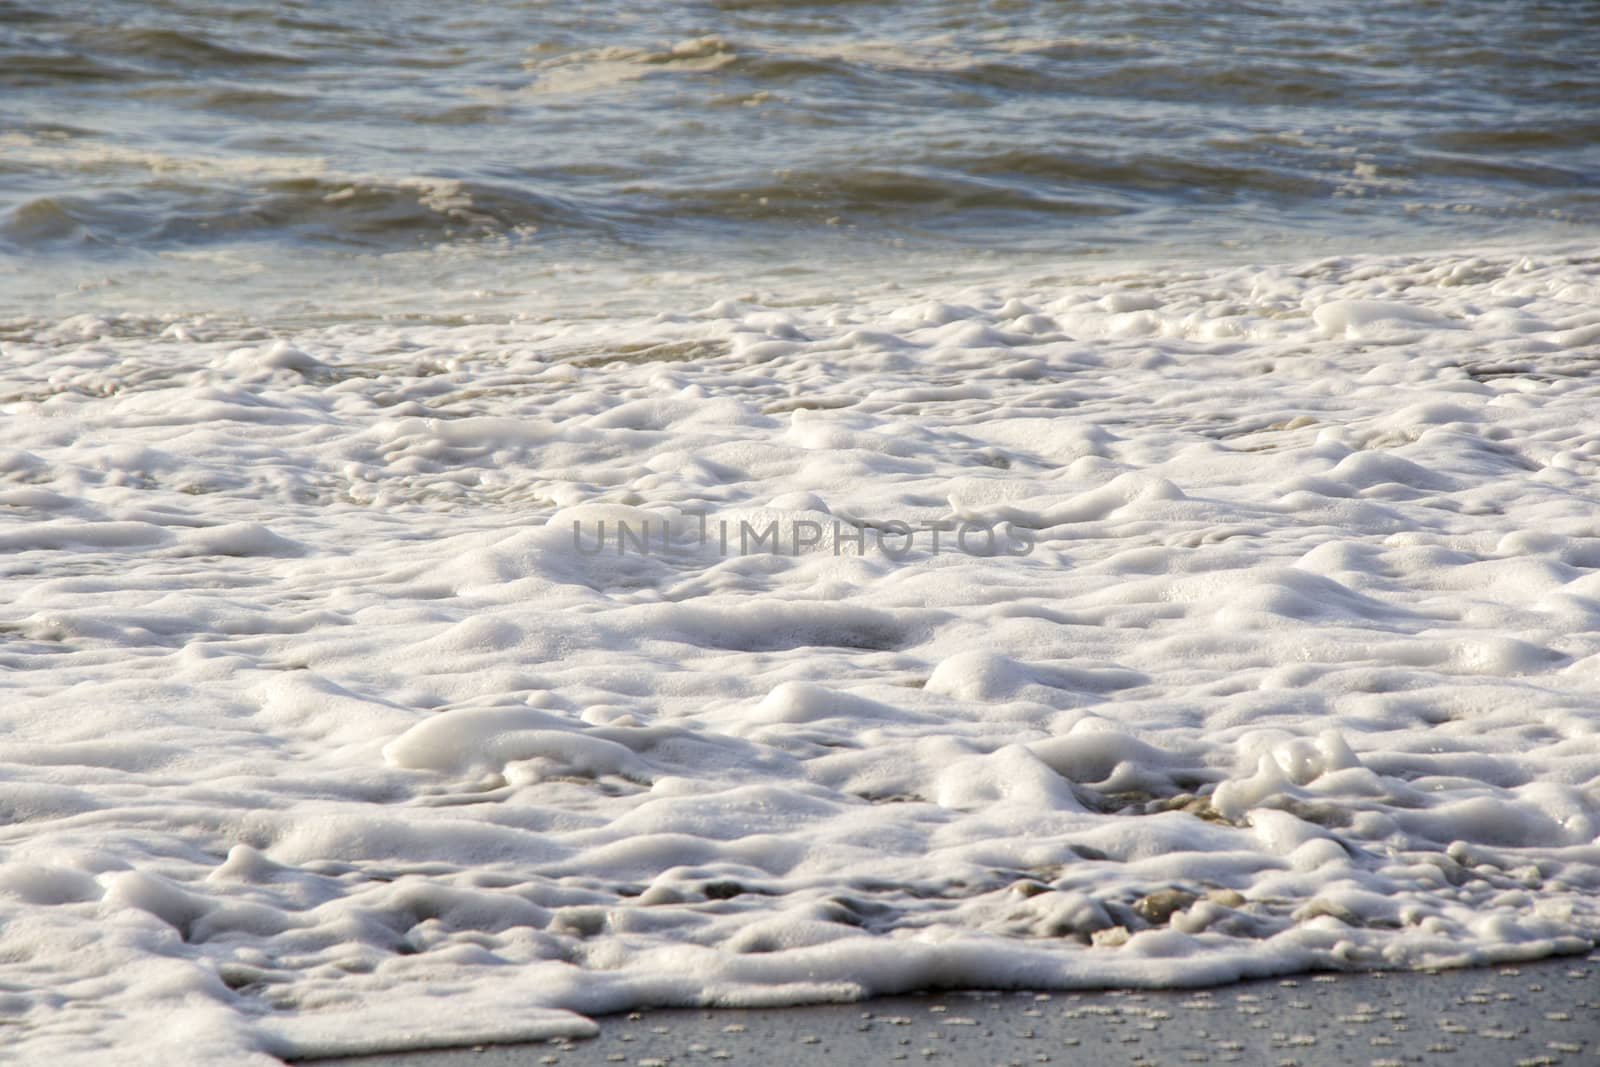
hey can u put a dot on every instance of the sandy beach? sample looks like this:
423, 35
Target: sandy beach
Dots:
1541, 1013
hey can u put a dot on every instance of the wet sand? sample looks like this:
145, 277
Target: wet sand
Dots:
1527, 1015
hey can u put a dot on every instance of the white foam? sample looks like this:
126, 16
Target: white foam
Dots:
1271, 643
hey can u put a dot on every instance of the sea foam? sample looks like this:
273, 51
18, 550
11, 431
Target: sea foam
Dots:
329, 730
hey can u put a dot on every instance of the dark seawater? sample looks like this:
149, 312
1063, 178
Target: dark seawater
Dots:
417, 157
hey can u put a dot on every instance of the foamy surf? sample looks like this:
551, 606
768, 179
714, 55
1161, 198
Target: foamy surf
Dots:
330, 729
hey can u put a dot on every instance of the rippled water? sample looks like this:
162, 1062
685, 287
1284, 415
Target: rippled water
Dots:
417, 156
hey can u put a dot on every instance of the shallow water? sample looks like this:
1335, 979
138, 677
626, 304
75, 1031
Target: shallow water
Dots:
1084, 495
413, 157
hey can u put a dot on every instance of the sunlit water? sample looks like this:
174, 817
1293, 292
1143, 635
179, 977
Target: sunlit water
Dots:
422, 157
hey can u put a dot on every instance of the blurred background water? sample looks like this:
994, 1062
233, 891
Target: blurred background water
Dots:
423, 158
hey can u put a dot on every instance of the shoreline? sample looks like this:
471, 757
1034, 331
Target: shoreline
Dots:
1543, 1012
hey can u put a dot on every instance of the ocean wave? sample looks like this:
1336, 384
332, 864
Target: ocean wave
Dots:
747, 123
175, 47
359, 212
27, 69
